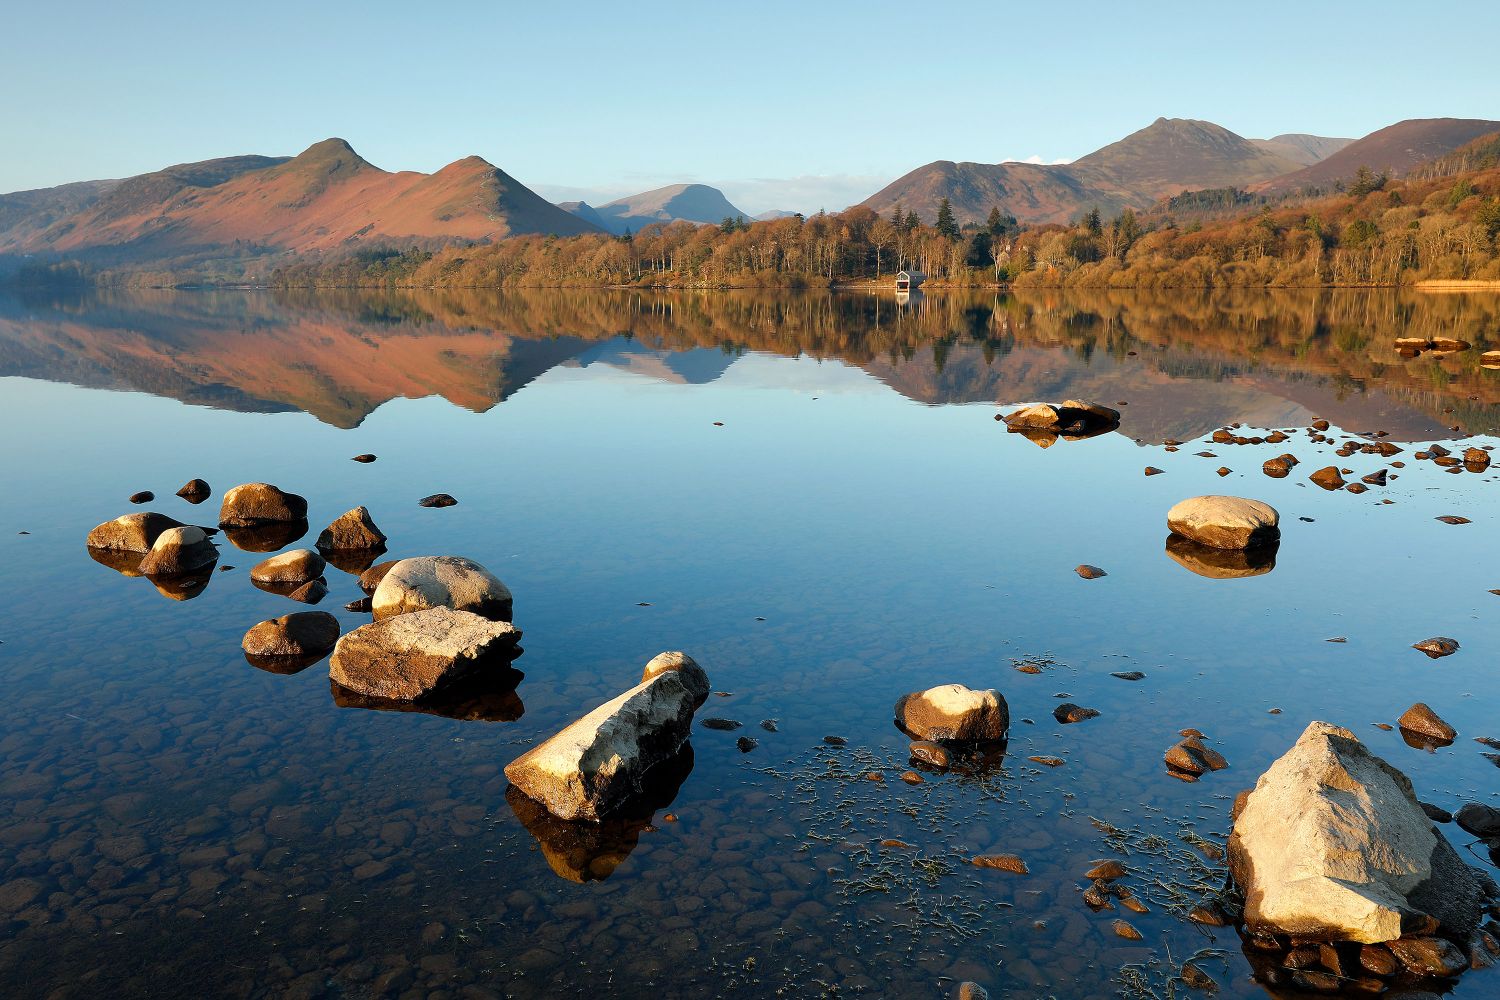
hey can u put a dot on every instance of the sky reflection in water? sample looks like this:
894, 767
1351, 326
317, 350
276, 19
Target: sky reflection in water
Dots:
185, 823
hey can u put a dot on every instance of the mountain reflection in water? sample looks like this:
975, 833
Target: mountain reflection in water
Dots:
1184, 362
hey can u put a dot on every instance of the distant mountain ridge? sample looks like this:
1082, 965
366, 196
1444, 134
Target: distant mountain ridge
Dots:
327, 197
697, 203
1302, 148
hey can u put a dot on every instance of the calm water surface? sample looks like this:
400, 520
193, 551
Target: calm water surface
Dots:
811, 495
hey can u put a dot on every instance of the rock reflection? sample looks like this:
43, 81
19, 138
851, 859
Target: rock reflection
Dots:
285, 665
183, 587
1221, 564
352, 561
588, 852
122, 562
266, 537
491, 698
1422, 741
186, 586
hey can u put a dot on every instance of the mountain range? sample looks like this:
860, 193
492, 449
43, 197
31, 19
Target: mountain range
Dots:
1166, 158
326, 197
329, 199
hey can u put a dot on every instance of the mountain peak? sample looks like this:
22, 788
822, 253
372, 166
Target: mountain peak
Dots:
332, 153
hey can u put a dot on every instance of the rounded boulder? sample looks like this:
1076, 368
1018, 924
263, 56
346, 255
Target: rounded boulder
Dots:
441, 582
1225, 522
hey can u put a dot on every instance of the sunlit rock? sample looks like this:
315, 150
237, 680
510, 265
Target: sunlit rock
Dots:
131, 532
692, 675
1222, 522
1332, 845
178, 551
441, 581
195, 491
258, 503
953, 712
296, 568
598, 765
409, 656
306, 633
352, 530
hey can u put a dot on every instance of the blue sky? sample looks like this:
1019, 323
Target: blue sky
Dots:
795, 105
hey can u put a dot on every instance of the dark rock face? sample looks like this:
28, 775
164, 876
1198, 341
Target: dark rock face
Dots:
1068, 713
252, 504
486, 696
437, 500
1481, 820
195, 491
1090, 572
144, 496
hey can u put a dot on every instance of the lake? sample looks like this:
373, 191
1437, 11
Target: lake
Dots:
811, 495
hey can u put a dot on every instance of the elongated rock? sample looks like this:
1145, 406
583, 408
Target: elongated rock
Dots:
1332, 845
307, 633
598, 764
412, 655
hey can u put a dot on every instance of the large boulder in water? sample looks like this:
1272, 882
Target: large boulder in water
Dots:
413, 655
954, 713
131, 532
250, 504
441, 582
1225, 522
1332, 845
178, 551
597, 766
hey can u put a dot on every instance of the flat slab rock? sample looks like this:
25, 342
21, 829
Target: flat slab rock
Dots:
1332, 845
412, 655
598, 764
1222, 522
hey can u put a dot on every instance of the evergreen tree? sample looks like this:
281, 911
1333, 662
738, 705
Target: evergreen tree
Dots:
946, 227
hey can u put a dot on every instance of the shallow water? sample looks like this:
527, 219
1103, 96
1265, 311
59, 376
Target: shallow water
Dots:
812, 496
